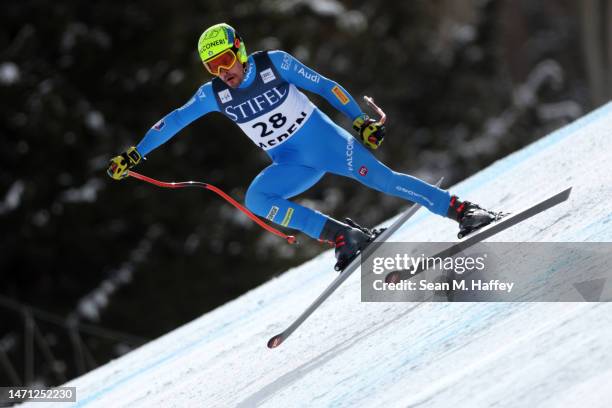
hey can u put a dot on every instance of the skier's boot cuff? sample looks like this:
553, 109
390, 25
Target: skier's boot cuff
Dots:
348, 240
470, 216
456, 209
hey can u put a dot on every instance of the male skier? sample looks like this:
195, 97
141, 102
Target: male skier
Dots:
259, 92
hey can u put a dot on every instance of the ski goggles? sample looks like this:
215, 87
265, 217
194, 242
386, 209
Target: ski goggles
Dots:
225, 60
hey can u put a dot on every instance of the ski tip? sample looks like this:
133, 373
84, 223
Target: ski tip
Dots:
275, 341
566, 193
392, 277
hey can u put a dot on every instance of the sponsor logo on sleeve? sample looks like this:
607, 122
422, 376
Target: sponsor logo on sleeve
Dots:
340, 95
309, 75
286, 64
225, 96
159, 125
201, 94
272, 213
363, 171
267, 75
287, 217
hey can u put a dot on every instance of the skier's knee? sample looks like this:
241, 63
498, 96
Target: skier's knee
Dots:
257, 202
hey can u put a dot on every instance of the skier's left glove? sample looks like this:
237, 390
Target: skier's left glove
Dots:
119, 165
372, 132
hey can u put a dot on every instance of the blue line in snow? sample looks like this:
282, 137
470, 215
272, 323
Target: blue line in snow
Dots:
508, 163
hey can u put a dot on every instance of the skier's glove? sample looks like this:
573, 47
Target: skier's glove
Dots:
372, 132
119, 165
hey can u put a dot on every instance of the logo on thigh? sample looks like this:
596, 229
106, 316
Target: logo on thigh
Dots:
349, 154
272, 213
287, 217
363, 171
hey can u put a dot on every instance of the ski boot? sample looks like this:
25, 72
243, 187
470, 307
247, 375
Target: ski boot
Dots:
470, 216
349, 240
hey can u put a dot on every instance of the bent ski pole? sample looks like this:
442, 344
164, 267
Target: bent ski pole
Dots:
289, 238
370, 101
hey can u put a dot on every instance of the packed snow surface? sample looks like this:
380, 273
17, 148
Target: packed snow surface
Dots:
353, 354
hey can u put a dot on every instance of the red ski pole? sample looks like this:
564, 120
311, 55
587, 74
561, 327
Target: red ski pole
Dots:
289, 238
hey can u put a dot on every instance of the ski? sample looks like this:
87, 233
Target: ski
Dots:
486, 232
342, 276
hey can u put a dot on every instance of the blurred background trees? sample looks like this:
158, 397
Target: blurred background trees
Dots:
91, 268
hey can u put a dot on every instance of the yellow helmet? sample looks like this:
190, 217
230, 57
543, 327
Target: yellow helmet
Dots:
219, 38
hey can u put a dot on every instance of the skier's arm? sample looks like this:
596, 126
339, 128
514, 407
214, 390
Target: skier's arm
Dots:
293, 71
199, 105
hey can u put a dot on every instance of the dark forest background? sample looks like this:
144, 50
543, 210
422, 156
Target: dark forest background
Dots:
91, 268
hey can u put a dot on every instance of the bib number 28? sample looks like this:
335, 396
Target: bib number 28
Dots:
277, 120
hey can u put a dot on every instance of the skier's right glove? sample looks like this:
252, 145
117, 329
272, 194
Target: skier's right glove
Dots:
372, 132
119, 165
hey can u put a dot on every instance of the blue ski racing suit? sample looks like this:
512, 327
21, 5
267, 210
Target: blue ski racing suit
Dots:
302, 142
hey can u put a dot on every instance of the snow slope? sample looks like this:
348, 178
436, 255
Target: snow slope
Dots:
402, 354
